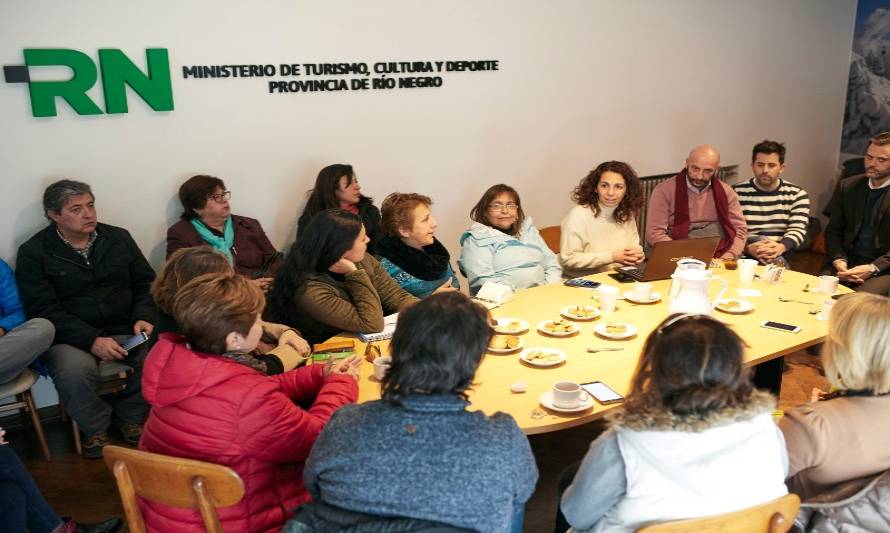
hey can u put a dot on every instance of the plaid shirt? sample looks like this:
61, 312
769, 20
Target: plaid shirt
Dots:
83, 252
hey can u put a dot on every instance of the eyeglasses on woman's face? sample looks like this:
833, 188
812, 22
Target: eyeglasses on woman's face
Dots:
221, 197
500, 206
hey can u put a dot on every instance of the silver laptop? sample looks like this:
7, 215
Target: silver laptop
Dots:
665, 254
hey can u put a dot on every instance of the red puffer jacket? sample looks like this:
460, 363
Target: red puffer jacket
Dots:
209, 408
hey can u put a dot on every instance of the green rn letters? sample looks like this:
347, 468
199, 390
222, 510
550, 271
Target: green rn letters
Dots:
117, 72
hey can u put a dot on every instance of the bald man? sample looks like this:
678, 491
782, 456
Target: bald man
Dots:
695, 204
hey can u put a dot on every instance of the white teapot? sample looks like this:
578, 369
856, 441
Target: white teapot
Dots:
692, 291
683, 264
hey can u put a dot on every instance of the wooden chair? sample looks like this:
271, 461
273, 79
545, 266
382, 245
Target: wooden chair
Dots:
776, 516
551, 236
20, 388
172, 481
112, 380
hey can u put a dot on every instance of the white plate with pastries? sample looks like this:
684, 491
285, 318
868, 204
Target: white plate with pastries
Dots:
504, 344
734, 306
615, 330
559, 327
580, 312
542, 356
510, 326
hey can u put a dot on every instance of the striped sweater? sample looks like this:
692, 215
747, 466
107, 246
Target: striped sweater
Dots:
781, 215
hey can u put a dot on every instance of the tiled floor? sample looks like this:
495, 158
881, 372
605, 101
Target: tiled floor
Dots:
86, 490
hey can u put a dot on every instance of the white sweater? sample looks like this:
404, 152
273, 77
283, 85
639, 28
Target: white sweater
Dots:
587, 242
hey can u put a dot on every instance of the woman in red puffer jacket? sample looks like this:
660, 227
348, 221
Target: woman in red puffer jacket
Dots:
212, 401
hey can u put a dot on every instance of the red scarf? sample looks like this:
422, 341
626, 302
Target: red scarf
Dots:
352, 208
680, 227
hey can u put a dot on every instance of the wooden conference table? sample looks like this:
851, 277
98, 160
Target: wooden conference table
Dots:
491, 392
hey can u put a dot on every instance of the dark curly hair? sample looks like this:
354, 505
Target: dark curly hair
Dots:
585, 193
691, 364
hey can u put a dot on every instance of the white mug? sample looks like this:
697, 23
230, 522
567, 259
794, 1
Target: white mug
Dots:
827, 284
608, 294
746, 270
642, 291
567, 394
381, 366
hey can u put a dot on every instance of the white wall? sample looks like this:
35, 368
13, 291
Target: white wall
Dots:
580, 82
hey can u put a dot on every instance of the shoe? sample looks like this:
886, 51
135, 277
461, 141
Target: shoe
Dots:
130, 432
106, 526
92, 446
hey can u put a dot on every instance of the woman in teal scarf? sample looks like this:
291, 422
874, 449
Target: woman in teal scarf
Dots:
207, 220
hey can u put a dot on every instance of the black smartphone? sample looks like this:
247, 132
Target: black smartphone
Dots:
621, 277
602, 392
135, 341
771, 324
581, 282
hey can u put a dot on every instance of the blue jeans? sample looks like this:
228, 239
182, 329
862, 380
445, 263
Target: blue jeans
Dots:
21, 504
517, 521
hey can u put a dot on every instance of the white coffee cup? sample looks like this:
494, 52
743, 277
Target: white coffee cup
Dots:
746, 270
827, 284
381, 366
608, 294
567, 394
826, 309
642, 291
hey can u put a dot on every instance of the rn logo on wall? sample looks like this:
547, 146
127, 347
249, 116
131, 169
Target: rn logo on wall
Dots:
115, 69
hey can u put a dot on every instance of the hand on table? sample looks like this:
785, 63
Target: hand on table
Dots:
108, 349
855, 275
343, 266
765, 251
628, 256
291, 338
346, 367
446, 287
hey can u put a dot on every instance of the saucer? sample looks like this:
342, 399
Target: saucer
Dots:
511, 326
821, 317
600, 329
573, 329
506, 350
568, 313
743, 307
654, 297
546, 400
559, 359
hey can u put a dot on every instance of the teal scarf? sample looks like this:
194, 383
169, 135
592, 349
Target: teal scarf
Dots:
220, 244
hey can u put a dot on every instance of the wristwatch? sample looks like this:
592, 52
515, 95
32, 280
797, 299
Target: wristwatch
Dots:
874, 269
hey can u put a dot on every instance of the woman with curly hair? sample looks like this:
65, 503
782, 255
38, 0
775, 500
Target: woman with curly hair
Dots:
601, 231
694, 438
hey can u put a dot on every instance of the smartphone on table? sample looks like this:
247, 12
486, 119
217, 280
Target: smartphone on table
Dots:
781, 326
602, 392
581, 282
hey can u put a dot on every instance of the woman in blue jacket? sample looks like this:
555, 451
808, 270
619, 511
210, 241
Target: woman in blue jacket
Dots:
503, 245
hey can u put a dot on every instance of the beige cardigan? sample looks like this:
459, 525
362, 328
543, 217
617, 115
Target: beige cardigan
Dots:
836, 440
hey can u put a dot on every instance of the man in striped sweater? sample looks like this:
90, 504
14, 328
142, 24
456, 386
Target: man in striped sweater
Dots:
776, 211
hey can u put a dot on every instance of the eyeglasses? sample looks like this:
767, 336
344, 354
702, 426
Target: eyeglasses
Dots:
497, 206
221, 197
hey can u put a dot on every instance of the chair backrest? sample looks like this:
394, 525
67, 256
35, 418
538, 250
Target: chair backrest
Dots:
171, 481
551, 236
775, 516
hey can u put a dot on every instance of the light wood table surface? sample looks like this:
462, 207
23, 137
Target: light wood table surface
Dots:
491, 392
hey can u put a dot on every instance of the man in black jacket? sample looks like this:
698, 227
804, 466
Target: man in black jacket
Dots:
857, 237
92, 282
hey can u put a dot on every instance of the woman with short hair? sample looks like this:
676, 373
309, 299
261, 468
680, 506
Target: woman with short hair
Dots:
337, 187
417, 458
503, 245
207, 220
281, 347
213, 401
409, 250
329, 284
601, 231
844, 436
693, 439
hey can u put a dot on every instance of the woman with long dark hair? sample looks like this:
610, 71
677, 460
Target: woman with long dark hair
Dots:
601, 231
504, 246
693, 439
337, 187
418, 459
328, 283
